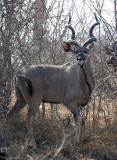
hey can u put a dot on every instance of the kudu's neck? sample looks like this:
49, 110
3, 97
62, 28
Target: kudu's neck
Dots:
88, 79
88, 75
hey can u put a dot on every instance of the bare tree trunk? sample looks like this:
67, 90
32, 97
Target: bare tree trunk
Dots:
115, 11
38, 32
6, 68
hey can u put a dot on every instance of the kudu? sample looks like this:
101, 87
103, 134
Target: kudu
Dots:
112, 52
70, 84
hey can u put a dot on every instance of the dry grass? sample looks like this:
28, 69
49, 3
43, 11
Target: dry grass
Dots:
55, 141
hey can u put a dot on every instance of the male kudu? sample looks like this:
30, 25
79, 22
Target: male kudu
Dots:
70, 84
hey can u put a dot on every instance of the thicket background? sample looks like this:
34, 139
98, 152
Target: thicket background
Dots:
32, 32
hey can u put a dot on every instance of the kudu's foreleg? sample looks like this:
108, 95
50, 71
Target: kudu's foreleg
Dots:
79, 120
79, 126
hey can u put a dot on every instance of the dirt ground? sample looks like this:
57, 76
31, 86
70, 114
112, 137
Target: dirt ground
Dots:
55, 139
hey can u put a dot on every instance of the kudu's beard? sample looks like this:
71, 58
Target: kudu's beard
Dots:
81, 63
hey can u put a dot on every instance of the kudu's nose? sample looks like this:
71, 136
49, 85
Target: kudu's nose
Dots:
80, 58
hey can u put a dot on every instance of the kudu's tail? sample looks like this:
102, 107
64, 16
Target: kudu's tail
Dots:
24, 84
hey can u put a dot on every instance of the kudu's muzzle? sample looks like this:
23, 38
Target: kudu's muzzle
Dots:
81, 58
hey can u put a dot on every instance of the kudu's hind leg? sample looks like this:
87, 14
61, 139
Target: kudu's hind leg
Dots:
12, 114
32, 111
19, 104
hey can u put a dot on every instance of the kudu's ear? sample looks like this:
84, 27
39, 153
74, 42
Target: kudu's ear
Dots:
89, 47
69, 47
